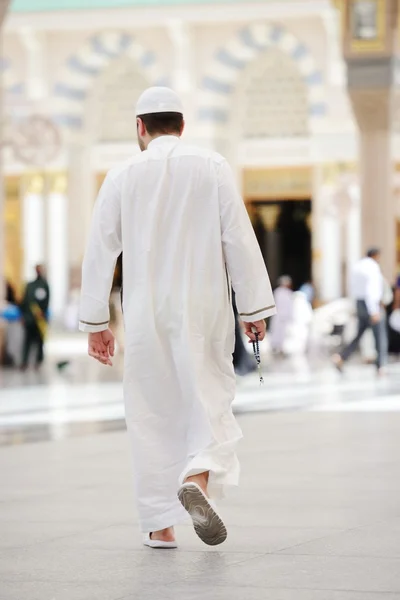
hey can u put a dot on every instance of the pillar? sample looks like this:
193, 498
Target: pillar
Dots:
331, 260
3, 9
81, 196
378, 223
353, 232
327, 238
33, 228
369, 43
317, 233
57, 246
269, 214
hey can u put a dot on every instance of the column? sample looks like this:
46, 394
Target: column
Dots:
327, 245
183, 69
269, 214
327, 238
317, 233
33, 219
353, 231
370, 41
57, 246
81, 197
378, 223
3, 9
331, 263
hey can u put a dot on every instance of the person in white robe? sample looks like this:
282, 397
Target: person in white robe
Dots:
281, 321
298, 331
176, 214
367, 289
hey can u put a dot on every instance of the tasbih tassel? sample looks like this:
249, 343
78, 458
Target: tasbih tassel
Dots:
257, 356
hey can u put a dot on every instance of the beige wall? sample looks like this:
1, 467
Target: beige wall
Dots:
82, 158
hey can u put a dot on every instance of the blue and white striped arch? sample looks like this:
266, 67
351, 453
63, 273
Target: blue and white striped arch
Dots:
229, 61
82, 68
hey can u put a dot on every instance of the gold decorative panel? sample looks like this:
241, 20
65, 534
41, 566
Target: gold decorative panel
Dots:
12, 232
281, 183
367, 26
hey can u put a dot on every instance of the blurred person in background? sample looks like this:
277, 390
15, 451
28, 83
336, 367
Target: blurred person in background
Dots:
11, 296
298, 331
396, 300
283, 295
367, 289
11, 315
394, 319
34, 312
176, 214
367, 342
308, 290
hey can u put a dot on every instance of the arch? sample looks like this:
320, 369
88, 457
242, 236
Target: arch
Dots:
82, 68
219, 83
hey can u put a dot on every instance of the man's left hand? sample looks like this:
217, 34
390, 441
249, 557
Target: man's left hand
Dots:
259, 326
102, 346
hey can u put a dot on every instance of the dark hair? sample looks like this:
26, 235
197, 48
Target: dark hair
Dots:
164, 123
373, 252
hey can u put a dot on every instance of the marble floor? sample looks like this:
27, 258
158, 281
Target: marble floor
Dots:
316, 517
85, 397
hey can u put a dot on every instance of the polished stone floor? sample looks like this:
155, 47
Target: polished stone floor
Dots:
316, 517
86, 397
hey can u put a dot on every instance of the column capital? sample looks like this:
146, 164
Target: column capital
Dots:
373, 108
33, 183
369, 47
58, 183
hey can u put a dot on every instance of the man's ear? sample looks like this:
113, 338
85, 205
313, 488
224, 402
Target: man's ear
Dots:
141, 128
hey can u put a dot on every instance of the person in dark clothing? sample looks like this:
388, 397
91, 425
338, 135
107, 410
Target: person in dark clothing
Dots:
11, 297
34, 309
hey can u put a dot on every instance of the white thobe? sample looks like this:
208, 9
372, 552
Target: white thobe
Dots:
175, 213
367, 284
299, 328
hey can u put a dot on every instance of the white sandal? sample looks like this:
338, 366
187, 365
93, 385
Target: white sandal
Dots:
206, 521
158, 544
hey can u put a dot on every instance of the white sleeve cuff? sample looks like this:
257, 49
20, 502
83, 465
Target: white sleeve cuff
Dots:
258, 315
93, 327
374, 308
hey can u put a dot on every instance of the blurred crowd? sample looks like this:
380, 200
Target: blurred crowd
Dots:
27, 321
368, 320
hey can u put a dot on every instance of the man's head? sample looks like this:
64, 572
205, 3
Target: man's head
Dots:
159, 111
374, 253
40, 270
285, 281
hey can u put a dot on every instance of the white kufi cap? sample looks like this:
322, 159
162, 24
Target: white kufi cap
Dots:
158, 100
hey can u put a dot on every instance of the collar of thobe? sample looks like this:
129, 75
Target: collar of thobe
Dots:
164, 139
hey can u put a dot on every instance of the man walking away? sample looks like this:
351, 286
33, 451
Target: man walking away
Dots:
367, 287
175, 213
34, 309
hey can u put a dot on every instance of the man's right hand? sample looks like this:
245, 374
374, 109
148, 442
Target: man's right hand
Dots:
101, 346
375, 318
261, 328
